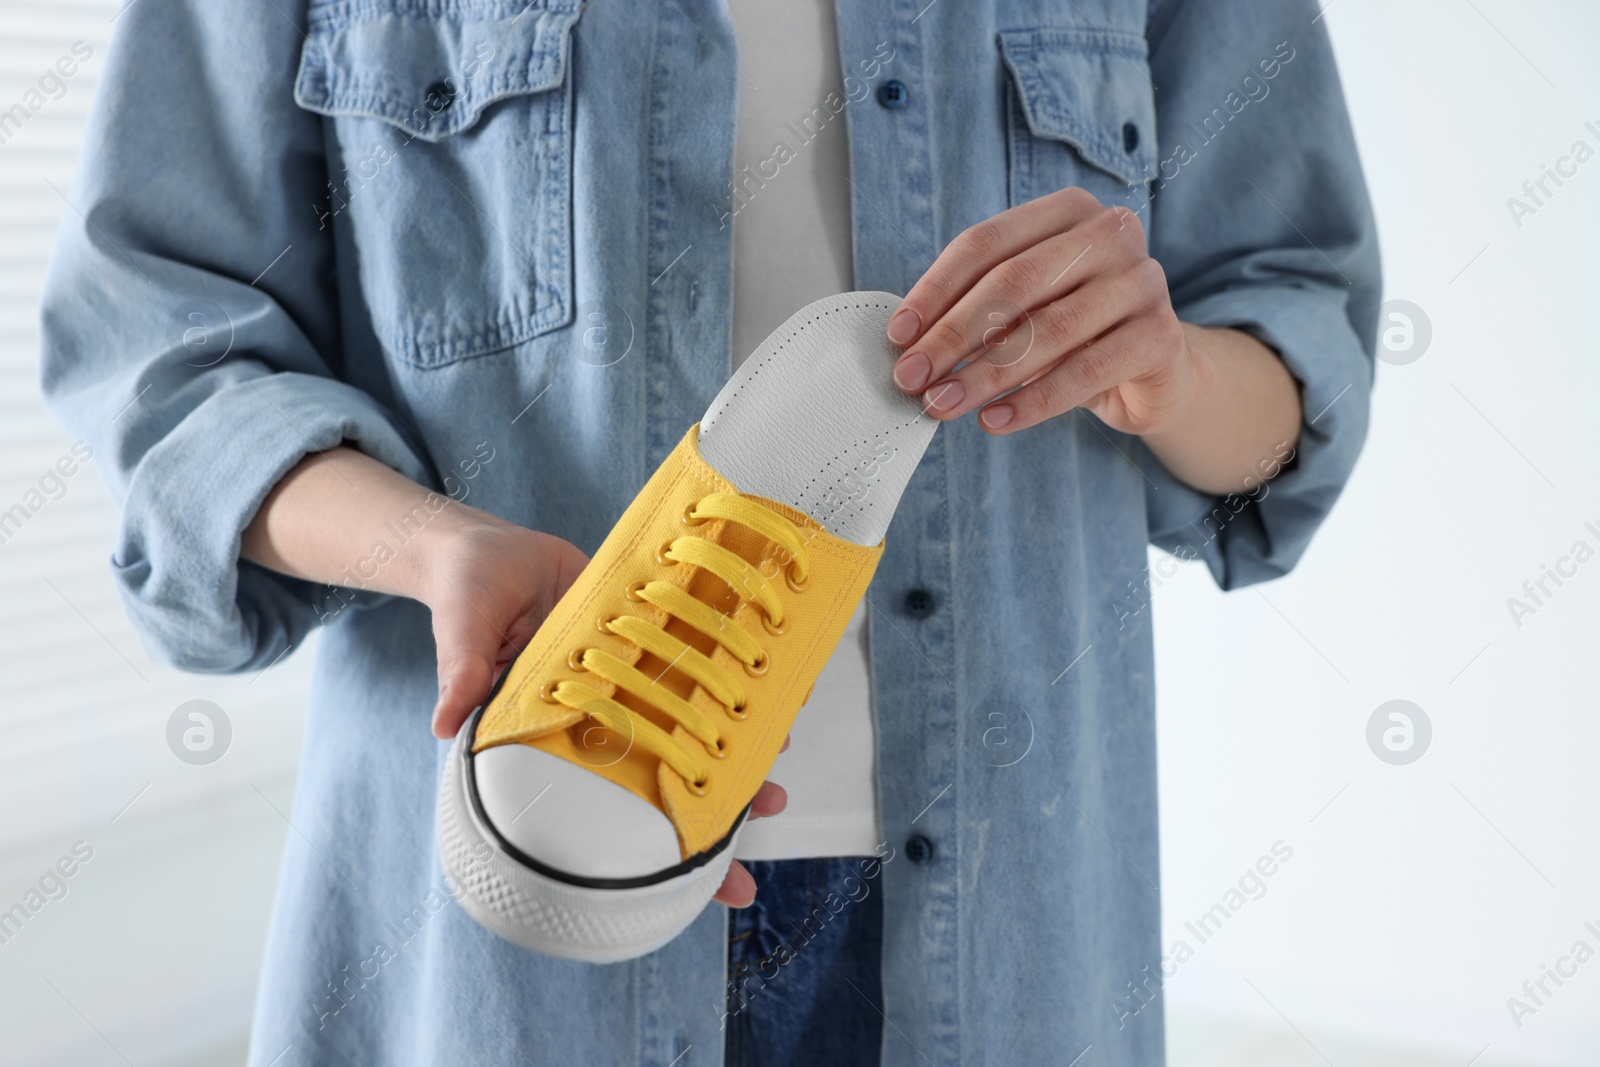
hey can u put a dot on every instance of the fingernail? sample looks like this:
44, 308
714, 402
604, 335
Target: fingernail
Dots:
911, 371
904, 326
945, 396
998, 416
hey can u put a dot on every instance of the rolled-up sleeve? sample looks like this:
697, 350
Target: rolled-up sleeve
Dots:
1261, 220
190, 329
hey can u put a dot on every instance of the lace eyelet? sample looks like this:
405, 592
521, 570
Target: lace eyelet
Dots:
575, 660
700, 789
775, 629
632, 592
547, 693
689, 518
603, 624
759, 667
796, 585
662, 557
738, 712
720, 749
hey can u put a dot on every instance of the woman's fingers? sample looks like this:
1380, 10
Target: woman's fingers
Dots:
468, 652
981, 322
1100, 366
979, 249
738, 888
565, 562
770, 799
1041, 340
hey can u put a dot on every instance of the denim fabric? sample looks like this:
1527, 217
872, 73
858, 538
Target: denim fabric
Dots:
486, 242
804, 966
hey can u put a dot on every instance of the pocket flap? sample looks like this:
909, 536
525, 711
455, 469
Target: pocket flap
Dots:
1089, 89
431, 75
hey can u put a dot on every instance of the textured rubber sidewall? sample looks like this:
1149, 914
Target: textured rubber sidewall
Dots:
556, 918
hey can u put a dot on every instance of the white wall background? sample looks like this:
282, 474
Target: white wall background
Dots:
1418, 898
1424, 895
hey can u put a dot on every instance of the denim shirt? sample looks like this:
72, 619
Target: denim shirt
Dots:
486, 242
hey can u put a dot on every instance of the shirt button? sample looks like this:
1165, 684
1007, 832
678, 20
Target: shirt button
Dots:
440, 95
919, 849
919, 603
1130, 137
894, 95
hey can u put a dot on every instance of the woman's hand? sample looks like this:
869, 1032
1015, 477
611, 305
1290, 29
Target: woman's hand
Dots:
490, 584
1055, 305
1059, 296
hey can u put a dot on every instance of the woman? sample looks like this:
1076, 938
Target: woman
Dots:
333, 259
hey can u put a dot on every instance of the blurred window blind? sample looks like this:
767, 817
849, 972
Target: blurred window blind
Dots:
83, 710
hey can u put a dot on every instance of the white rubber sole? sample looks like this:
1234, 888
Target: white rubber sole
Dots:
557, 918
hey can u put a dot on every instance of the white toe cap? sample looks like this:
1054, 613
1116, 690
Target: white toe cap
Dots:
567, 817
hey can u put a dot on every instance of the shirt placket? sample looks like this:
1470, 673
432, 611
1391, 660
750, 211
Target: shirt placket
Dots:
913, 629
686, 281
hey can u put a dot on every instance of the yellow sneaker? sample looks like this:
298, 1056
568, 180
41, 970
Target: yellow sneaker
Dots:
589, 809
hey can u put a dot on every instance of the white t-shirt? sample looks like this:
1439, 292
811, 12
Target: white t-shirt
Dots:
791, 245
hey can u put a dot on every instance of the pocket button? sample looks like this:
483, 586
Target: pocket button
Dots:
439, 97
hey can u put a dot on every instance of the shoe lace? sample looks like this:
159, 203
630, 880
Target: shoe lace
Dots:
747, 582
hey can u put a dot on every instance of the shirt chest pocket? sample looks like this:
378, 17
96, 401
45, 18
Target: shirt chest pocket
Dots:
449, 166
1081, 111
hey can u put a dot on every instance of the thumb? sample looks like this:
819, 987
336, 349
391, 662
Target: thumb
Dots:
468, 647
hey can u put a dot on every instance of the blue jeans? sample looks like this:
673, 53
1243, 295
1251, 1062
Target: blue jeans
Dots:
804, 973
